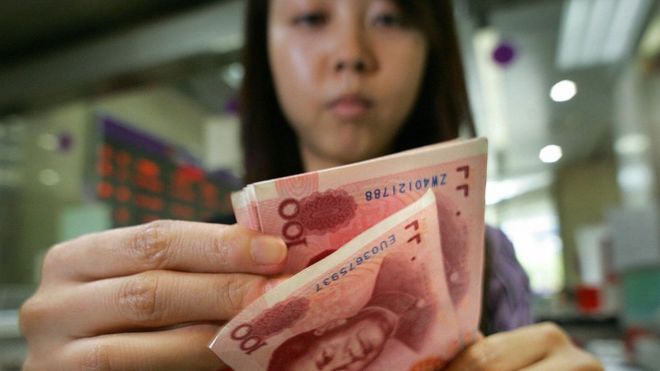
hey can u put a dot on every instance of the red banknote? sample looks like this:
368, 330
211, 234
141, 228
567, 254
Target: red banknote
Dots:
318, 212
375, 304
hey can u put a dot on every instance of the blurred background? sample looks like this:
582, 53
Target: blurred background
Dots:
115, 113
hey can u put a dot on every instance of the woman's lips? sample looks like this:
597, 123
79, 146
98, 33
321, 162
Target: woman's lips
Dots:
349, 107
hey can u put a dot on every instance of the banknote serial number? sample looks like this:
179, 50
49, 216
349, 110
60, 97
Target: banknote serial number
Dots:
405, 187
356, 262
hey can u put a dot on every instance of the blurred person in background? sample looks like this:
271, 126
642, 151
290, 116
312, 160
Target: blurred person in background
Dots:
326, 83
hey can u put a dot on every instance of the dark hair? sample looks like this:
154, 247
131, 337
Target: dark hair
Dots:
270, 146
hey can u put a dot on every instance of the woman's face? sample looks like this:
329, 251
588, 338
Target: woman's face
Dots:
346, 74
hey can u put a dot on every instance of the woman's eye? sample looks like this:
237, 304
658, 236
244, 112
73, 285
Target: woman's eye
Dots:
389, 20
310, 20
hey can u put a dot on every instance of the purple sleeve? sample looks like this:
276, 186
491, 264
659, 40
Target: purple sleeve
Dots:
509, 294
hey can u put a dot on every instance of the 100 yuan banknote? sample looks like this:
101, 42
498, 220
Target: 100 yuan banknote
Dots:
376, 304
318, 212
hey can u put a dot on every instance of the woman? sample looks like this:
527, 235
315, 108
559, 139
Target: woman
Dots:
332, 82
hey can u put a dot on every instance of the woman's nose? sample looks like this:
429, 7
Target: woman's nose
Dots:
353, 52
358, 65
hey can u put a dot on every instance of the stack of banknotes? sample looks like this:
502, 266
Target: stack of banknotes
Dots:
384, 268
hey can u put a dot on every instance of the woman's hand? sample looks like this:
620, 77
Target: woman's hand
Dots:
538, 347
145, 297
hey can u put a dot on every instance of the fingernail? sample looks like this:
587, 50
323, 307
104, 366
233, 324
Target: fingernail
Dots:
267, 250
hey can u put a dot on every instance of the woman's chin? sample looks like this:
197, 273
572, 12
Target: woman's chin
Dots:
349, 155
342, 151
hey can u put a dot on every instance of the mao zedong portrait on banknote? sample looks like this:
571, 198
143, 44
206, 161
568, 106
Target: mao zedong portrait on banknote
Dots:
398, 316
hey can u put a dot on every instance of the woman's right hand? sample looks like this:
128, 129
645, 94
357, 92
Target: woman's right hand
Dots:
145, 297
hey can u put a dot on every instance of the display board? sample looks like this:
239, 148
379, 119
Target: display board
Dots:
144, 178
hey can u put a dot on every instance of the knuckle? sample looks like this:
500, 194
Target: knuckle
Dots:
138, 298
232, 294
486, 355
32, 312
233, 291
54, 257
477, 357
97, 358
588, 362
552, 333
151, 243
221, 244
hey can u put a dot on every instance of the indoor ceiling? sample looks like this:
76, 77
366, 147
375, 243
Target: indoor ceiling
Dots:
32, 28
515, 108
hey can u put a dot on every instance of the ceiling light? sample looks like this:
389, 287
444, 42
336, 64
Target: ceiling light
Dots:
49, 177
497, 191
635, 178
626, 25
563, 91
550, 153
232, 74
500, 190
631, 144
599, 31
47, 141
595, 35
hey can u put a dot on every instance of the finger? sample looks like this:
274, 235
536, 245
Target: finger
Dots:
273, 282
152, 299
183, 348
568, 358
166, 244
511, 350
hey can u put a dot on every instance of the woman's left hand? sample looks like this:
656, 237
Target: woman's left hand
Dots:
537, 347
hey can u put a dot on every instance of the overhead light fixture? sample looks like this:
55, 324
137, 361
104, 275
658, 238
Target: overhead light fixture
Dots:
597, 32
550, 153
501, 190
632, 144
232, 74
49, 177
636, 178
47, 141
563, 91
